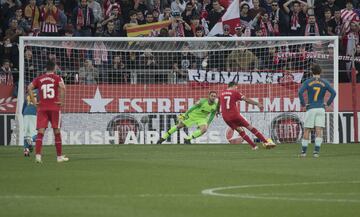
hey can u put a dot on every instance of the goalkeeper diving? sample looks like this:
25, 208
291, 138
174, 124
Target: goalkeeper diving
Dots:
201, 114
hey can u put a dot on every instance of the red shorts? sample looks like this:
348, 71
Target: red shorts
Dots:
235, 121
43, 118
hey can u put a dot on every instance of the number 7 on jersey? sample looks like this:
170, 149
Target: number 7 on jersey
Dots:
227, 98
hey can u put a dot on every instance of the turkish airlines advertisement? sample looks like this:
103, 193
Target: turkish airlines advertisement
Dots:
146, 128
140, 114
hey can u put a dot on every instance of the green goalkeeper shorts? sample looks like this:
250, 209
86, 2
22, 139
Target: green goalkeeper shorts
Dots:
195, 121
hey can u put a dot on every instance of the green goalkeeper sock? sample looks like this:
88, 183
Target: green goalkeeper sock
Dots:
195, 134
172, 130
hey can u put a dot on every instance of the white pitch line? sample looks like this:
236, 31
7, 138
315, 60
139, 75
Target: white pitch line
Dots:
213, 192
308, 194
94, 196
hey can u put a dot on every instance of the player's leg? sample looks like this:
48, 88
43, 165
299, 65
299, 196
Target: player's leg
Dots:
257, 133
267, 143
58, 145
242, 133
41, 124
38, 144
309, 124
202, 128
172, 130
252, 129
55, 120
305, 141
319, 128
32, 130
318, 141
27, 138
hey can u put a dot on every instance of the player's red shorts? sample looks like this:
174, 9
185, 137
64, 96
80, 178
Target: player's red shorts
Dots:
44, 117
235, 121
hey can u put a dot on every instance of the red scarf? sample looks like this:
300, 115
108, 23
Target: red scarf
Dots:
106, 5
276, 24
203, 13
193, 28
276, 59
47, 11
266, 27
179, 30
316, 29
338, 27
6, 77
100, 53
302, 55
80, 17
68, 45
295, 21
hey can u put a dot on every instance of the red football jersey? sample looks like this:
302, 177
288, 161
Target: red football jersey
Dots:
228, 102
48, 88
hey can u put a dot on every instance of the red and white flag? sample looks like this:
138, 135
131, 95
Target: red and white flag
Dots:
231, 18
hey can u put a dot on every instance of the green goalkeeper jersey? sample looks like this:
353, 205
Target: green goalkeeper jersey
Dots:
202, 109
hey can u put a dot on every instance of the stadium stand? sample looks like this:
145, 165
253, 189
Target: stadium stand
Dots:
113, 18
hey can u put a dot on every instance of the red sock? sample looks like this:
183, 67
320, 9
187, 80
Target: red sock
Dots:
58, 144
38, 143
247, 138
258, 134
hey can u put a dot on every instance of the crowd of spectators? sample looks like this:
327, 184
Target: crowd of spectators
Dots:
191, 18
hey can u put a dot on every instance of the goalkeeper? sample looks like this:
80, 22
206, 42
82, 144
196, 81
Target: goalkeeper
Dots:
201, 114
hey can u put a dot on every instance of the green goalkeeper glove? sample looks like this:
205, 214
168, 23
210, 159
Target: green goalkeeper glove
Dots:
182, 117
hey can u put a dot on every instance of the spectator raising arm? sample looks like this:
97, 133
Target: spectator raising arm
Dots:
287, 9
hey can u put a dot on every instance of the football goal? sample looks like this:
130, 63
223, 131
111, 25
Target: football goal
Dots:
130, 90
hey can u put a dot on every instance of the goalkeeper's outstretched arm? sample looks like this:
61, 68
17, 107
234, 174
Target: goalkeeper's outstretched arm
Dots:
211, 117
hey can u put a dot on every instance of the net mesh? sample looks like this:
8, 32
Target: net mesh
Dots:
131, 91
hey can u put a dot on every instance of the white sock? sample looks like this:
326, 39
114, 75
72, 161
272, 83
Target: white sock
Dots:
304, 143
318, 141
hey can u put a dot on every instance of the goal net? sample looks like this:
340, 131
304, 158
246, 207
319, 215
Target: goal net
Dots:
130, 90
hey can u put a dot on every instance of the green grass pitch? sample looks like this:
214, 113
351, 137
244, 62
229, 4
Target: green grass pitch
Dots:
179, 181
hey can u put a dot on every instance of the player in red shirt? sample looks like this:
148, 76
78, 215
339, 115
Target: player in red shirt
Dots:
232, 117
51, 90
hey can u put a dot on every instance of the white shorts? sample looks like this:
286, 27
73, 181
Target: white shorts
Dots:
315, 118
30, 125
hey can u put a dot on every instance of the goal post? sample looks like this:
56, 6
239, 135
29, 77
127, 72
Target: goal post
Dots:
336, 87
130, 90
